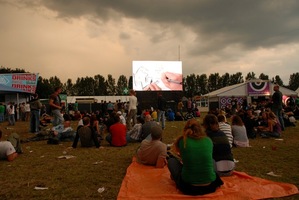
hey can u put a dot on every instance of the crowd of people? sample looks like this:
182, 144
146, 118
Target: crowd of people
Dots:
198, 158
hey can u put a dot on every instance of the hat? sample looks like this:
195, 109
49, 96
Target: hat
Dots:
119, 112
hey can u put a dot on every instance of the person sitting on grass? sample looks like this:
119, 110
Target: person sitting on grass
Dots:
239, 132
222, 155
88, 137
134, 134
153, 152
146, 127
117, 133
64, 132
192, 168
226, 128
7, 151
273, 128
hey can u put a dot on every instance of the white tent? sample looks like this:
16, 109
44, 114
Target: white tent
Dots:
246, 90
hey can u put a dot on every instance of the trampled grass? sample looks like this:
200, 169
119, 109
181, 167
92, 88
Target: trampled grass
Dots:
90, 169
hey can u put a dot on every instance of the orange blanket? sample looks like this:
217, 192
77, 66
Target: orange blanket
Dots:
147, 182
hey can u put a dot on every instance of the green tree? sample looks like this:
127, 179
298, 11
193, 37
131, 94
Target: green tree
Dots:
55, 82
110, 83
264, 76
130, 84
189, 85
225, 80
294, 81
236, 78
202, 82
68, 87
277, 80
43, 88
85, 86
100, 85
250, 76
214, 82
122, 83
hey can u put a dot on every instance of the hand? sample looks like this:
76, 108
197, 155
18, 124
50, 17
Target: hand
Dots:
172, 80
152, 87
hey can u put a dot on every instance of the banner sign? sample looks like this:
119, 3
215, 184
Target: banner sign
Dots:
258, 88
18, 82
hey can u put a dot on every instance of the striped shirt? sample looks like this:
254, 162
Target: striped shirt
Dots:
226, 128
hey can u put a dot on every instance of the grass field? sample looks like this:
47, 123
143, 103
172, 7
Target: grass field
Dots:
90, 169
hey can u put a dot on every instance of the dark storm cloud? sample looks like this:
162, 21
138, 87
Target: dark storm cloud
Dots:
217, 23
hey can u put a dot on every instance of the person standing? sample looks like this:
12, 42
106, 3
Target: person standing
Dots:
55, 104
2, 111
161, 109
27, 111
277, 105
35, 106
180, 107
132, 111
11, 114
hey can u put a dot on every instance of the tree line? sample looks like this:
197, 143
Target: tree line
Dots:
193, 84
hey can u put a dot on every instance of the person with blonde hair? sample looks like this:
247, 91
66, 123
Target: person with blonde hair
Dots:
192, 168
273, 127
222, 155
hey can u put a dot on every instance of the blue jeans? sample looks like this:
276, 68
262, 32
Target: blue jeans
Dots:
57, 117
11, 119
1, 117
278, 113
34, 121
161, 114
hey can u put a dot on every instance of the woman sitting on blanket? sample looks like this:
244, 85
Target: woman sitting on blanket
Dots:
194, 173
222, 155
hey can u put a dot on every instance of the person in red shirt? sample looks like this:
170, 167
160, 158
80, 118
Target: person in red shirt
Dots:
117, 136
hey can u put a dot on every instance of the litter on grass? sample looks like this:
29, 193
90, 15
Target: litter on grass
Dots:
101, 189
40, 188
273, 174
66, 157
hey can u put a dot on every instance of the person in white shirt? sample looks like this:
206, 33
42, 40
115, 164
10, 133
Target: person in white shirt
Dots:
132, 111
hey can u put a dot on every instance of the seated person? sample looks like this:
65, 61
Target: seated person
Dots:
146, 127
170, 115
192, 168
117, 136
222, 154
226, 128
250, 122
153, 152
121, 117
87, 135
239, 132
189, 115
273, 128
178, 117
64, 132
134, 134
7, 151
154, 115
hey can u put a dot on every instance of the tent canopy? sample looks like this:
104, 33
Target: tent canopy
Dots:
242, 89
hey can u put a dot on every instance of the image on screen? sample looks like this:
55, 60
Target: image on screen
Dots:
157, 76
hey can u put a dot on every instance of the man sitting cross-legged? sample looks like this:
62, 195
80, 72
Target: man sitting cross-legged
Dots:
87, 135
153, 152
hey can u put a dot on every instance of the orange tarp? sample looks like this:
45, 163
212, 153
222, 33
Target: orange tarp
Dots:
148, 182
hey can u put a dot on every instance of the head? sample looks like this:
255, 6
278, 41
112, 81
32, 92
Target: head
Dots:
236, 120
148, 118
86, 121
271, 115
276, 88
132, 92
156, 132
57, 90
140, 120
210, 122
221, 118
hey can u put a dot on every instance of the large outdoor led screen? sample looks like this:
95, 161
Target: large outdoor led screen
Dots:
157, 75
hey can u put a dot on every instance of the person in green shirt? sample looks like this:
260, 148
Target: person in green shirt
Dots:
192, 168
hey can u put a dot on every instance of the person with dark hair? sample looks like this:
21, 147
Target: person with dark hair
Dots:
226, 128
135, 134
222, 155
86, 134
192, 166
239, 132
277, 105
117, 136
153, 152
7, 150
55, 104
35, 106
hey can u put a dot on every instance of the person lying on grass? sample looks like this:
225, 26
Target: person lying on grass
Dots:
192, 166
153, 151
7, 151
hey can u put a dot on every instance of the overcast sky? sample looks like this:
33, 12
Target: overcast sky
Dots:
79, 38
